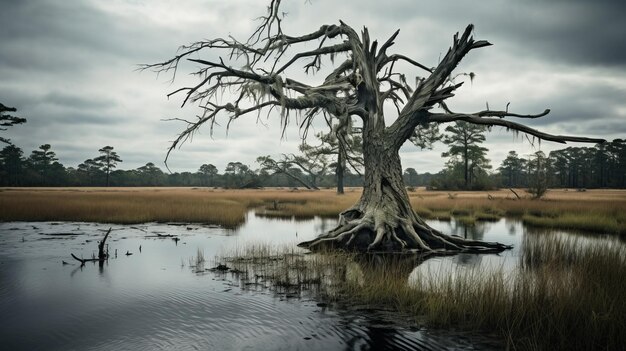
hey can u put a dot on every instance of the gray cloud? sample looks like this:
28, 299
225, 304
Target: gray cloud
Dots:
68, 66
75, 101
579, 31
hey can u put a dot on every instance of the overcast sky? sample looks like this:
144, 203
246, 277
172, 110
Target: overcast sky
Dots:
69, 67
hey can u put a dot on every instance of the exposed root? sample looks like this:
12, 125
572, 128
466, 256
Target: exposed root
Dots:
407, 226
377, 231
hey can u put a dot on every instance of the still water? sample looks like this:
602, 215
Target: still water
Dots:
148, 298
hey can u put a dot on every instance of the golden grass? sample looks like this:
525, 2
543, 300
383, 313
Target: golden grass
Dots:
228, 207
589, 221
123, 206
592, 210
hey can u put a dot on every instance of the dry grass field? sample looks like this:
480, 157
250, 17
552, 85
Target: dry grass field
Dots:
595, 210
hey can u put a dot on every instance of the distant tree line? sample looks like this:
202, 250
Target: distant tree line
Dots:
602, 166
336, 161
42, 168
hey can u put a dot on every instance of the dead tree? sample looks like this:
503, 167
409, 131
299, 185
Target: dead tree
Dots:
103, 253
254, 74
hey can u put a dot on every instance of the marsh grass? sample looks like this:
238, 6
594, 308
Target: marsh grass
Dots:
602, 211
589, 221
467, 221
197, 262
124, 206
568, 292
285, 269
598, 210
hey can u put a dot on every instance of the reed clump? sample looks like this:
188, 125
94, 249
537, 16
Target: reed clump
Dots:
286, 270
197, 262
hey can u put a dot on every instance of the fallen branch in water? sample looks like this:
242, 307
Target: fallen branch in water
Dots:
102, 255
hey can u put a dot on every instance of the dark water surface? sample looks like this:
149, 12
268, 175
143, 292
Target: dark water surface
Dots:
152, 299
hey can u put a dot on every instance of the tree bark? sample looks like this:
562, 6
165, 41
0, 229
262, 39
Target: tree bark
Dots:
466, 166
339, 172
383, 220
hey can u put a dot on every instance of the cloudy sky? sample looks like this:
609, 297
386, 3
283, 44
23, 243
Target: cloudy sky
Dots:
69, 67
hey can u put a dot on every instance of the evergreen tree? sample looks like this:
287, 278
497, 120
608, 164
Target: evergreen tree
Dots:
108, 159
12, 165
464, 140
208, 171
7, 120
512, 170
150, 174
41, 162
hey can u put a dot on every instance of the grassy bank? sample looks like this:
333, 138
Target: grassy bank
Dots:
598, 210
564, 295
122, 206
139, 205
594, 210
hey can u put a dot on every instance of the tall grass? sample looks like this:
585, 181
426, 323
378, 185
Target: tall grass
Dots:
588, 221
599, 210
566, 293
122, 206
197, 262
287, 269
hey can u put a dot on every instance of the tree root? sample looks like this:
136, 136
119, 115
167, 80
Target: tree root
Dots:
376, 231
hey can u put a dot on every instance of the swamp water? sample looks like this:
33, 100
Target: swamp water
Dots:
152, 299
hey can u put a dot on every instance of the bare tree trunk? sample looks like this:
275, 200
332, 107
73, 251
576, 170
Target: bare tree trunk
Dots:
383, 219
466, 167
339, 170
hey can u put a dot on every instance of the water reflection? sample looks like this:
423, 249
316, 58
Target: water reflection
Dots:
325, 278
152, 300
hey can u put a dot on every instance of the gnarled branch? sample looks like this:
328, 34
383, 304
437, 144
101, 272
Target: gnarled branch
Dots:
429, 91
477, 119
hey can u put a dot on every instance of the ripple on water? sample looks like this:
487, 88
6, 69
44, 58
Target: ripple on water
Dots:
147, 301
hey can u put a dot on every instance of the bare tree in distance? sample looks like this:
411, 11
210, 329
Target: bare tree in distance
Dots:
344, 142
363, 80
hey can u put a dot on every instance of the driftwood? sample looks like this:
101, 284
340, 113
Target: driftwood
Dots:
102, 254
